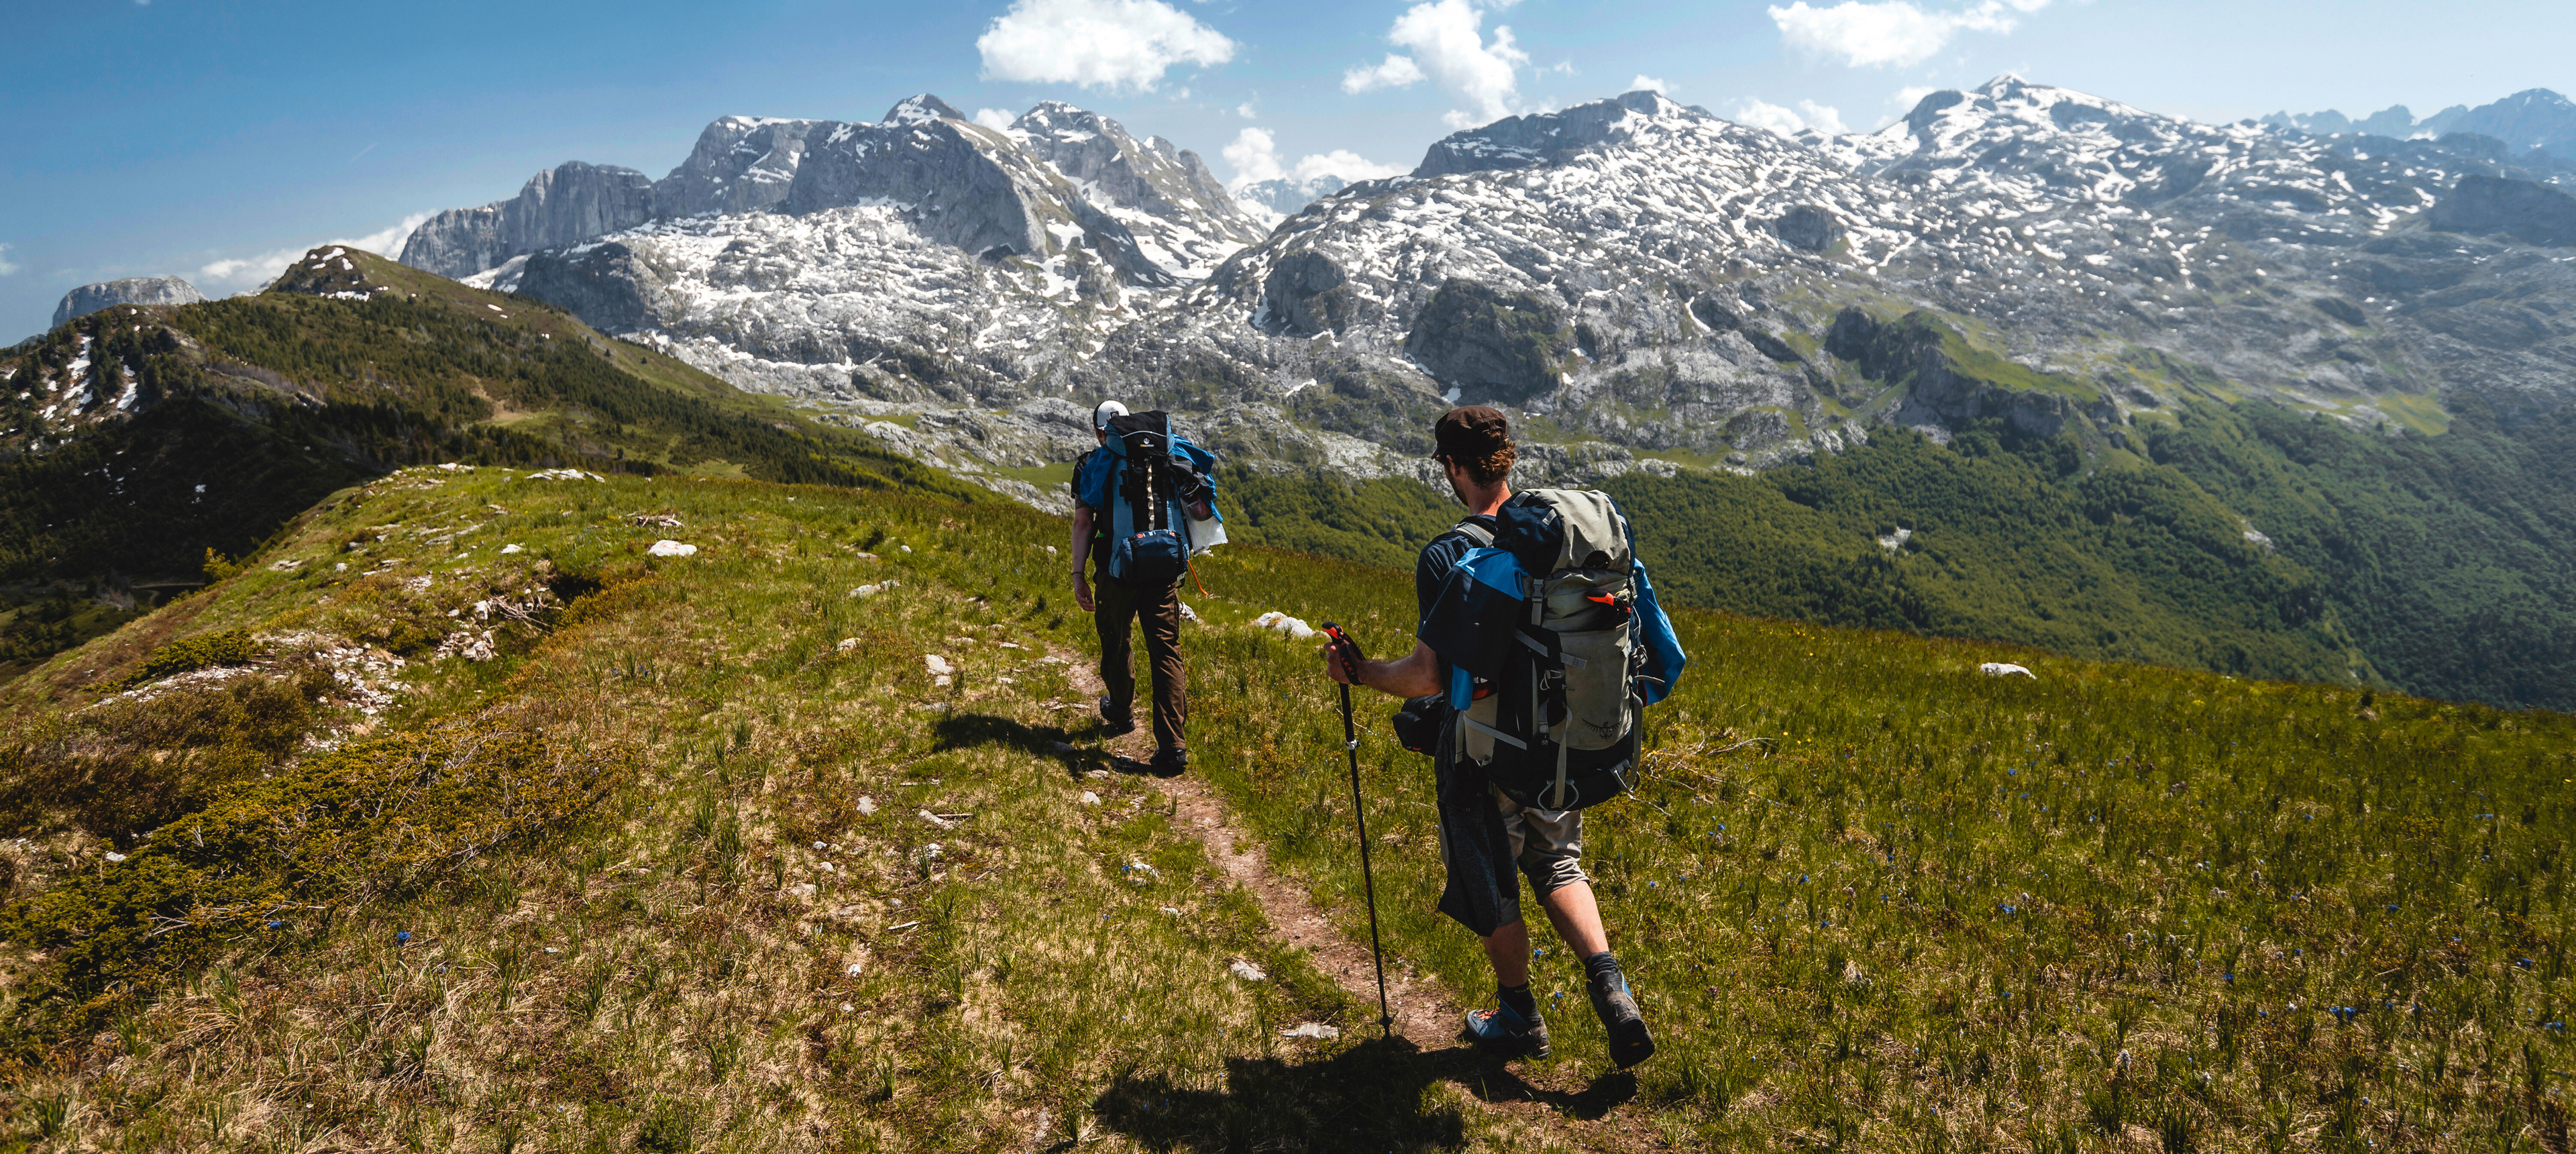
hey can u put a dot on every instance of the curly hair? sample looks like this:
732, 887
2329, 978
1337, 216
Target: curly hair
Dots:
1490, 468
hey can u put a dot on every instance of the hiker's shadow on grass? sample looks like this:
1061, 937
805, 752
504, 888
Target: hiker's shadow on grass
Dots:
1368, 1097
958, 731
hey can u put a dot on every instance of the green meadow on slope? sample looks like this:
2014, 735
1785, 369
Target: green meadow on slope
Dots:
703, 858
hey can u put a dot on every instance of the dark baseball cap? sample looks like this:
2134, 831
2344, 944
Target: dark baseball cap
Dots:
1469, 432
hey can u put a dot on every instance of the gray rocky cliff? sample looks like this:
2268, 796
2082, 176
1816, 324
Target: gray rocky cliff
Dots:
740, 164
141, 290
564, 205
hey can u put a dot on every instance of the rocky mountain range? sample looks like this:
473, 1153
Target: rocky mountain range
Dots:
1058, 176
2534, 120
1651, 286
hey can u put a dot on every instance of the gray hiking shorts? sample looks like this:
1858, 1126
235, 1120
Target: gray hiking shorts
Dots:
1547, 844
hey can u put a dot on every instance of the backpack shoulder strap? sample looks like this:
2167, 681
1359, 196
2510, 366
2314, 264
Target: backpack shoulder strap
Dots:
1482, 536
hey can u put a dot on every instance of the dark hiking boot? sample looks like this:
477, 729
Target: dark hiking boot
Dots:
1629, 1041
1502, 1032
1115, 722
1169, 762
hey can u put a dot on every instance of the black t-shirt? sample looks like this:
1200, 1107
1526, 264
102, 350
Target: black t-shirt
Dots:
1431, 572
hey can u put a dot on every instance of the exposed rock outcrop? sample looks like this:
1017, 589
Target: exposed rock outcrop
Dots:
2525, 210
740, 164
1919, 352
563, 205
1491, 345
141, 290
607, 285
1305, 295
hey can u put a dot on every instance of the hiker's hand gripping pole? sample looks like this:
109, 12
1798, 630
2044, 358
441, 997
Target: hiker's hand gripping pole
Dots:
1348, 652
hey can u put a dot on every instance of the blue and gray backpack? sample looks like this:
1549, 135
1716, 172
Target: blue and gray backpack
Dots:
1158, 492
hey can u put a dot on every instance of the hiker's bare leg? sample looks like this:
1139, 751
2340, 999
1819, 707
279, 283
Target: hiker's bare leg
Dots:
1577, 919
1509, 950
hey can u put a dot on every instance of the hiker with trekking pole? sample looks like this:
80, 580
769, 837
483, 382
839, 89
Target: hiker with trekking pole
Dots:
1539, 645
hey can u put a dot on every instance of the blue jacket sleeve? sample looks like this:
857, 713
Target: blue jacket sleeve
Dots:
1664, 656
1090, 474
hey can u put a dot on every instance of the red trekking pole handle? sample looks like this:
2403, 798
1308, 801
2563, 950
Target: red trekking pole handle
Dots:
1345, 649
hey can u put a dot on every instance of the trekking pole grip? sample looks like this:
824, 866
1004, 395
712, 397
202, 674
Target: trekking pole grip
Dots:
1347, 650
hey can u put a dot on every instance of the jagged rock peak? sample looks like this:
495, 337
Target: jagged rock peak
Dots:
740, 164
141, 290
1166, 195
915, 109
1552, 137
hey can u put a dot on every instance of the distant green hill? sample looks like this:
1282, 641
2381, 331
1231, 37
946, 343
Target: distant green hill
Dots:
2443, 565
137, 439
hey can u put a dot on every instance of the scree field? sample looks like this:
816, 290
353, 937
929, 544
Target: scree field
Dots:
456, 819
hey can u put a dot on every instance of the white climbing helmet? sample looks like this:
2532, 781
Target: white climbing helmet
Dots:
1101, 416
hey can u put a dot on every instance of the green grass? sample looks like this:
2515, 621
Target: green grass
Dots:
1871, 898
669, 964
1876, 899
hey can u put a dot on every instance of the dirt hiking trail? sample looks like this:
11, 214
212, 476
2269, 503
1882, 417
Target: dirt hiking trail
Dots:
1427, 1018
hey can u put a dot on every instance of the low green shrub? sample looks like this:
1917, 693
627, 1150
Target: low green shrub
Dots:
276, 856
129, 765
231, 647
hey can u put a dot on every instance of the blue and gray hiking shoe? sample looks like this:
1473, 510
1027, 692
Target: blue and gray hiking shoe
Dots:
1502, 1032
1629, 1041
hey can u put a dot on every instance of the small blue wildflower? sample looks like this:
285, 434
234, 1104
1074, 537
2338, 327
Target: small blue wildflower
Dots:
402, 937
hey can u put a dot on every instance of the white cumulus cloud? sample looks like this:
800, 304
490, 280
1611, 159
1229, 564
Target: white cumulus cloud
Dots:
1447, 44
1392, 72
1789, 121
1867, 33
1113, 44
1645, 83
5, 266
994, 118
254, 271
1246, 110
1254, 154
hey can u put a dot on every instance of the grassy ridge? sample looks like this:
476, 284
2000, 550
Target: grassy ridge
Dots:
752, 941
1872, 898
249, 410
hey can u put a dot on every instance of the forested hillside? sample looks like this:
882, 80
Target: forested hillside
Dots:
2444, 565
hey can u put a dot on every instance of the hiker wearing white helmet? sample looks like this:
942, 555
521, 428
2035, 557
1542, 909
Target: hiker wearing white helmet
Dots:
1137, 500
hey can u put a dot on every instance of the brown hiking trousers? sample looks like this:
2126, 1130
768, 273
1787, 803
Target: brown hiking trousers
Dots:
1114, 606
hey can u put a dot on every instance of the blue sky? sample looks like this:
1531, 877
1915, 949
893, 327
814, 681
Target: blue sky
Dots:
205, 140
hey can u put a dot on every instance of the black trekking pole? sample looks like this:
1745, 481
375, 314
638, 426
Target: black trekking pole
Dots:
1349, 652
